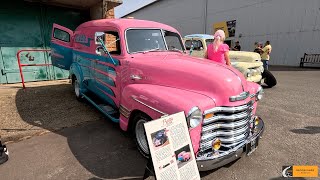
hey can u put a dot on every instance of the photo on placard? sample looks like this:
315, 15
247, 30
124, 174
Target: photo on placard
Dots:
160, 138
183, 156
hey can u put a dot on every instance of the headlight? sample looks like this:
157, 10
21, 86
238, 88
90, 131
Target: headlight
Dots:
248, 73
260, 93
194, 117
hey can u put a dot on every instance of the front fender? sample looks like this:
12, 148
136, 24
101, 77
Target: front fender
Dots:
76, 70
156, 101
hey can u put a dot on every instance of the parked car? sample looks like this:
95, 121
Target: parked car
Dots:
160, 138
248, 63
134, 71
184, 156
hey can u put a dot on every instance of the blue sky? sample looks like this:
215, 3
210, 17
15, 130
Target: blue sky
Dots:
129, 6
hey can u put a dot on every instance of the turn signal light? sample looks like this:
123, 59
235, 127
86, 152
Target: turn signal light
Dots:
208, 116
256, 121
216, 144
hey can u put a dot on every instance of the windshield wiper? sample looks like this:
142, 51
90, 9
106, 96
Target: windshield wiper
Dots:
151, 50
177, 50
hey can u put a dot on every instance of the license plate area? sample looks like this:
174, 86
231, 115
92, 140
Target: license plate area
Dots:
252, 146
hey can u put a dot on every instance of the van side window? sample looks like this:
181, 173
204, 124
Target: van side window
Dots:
112, 42
61, 35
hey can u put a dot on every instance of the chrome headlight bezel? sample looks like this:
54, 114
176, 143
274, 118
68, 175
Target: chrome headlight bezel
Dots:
195, 117
248, 73
259, 94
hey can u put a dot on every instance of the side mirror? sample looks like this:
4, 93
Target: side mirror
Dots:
97, 36
99, 50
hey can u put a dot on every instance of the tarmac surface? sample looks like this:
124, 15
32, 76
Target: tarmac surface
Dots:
99, 150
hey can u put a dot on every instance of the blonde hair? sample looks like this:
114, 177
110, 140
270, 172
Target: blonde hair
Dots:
219, 37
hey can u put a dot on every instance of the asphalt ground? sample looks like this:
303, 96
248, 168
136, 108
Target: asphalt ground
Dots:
99, 150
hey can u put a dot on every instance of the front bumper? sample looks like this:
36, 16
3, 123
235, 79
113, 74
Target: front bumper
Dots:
233, 154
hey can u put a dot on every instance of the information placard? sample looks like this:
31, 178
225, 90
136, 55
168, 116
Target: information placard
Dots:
171, 149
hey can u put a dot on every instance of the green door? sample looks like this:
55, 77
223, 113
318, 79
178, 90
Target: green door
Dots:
20, 29
27, 25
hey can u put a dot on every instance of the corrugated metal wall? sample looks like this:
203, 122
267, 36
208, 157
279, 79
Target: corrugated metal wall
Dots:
292, 26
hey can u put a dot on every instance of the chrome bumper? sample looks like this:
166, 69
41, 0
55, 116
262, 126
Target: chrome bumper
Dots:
234, 154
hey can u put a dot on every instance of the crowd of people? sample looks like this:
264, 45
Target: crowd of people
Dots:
219, 51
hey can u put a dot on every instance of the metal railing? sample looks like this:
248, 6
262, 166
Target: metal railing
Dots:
24, 65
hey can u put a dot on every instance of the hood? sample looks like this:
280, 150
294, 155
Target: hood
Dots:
244, 56
217, 81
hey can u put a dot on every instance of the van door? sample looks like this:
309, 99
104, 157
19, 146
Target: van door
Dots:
61, 47
105, 75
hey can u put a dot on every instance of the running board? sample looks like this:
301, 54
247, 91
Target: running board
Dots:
102, 109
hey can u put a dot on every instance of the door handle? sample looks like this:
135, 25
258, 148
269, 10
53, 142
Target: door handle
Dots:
135, 77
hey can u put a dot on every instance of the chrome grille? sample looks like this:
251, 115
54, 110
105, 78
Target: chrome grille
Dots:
230, 124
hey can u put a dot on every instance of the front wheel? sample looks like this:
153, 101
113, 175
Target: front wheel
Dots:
140, 134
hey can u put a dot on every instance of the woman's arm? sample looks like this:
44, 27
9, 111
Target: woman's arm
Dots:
226, 57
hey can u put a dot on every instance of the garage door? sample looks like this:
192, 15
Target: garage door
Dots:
28, 26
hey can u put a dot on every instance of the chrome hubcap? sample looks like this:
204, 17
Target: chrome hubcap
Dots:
77, 88
140, 136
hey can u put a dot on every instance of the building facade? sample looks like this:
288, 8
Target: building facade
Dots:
292, 26
27, 25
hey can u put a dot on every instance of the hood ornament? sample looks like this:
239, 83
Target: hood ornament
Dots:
242, 96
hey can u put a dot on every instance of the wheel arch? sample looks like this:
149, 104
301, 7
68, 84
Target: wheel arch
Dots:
133, 114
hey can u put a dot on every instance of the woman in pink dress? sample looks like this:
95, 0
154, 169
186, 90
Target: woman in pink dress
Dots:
218, 51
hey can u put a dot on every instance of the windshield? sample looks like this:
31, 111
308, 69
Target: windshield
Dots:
209, 41
144, 40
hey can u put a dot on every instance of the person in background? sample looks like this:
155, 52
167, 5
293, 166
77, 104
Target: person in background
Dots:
4, 153
218, 51
257, 48
237, 47
265, 56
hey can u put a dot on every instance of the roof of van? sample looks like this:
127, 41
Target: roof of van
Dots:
124, 24
203, 36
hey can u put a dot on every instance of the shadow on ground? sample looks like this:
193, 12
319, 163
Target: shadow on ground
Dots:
99, 146
207, 173
307, 130
97, 143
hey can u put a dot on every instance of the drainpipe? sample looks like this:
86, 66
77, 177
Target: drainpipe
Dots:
205, 16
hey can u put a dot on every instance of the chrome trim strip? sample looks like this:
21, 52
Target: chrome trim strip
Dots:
233, 134
124, 111
226, 117
207, 145
149, 106
225, 125
227, 109
240, 97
